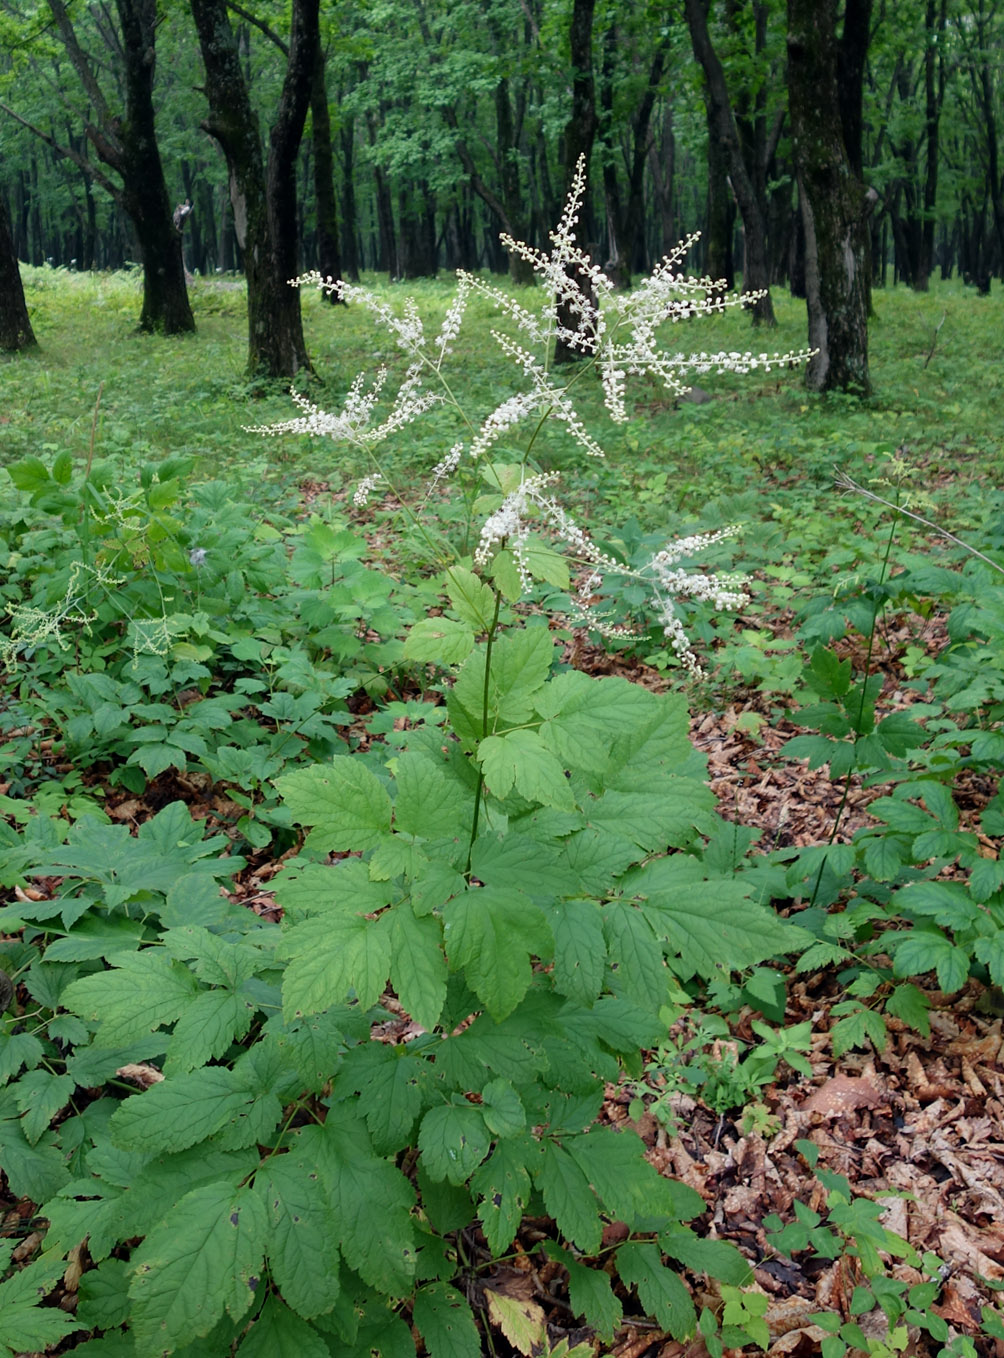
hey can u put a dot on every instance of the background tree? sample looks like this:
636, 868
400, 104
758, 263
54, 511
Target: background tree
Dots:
124, 139
834, 204
722, 128
262, 193
15, 325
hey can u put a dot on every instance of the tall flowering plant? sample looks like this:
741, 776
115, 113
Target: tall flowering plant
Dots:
621, 335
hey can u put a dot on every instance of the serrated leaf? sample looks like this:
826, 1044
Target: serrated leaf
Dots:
857, 1030
909, 1003
25, 1326
523, 1323
653, 822
924, 950
278, 1333
17, 1050
635, 956
986, 878
302, 1235
579, 950
32, 1171
208, 1027
569, 1199
516, 861
418, 964
371, 1200
445, 1322
947, 903
519, 759
583, 714
598, 858
40, 1095
661, 1292
346, 804
453, 1140
138, 994
502, 1108
503, 1183
590, 1291
713, 924
470, 597
104, 1296
492, 934
429, 804
389, 1081
329, 957
717, 1258
439, 641
204, 1257
615, 1167
179, 1112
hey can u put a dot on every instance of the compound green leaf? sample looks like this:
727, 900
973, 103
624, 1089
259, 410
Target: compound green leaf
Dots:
453, 1140
17, 1050
590, 1290
302, 1235
502, 1108
179, 1112
210, 1024
661, 1292
330, 956
503, 1184
445, 1322
204, 1257
138, 994
569, 1199
583, 715
655, 820
439, 641
25, 1326
389, 1081
470, 597
713, 924
418, 964
635, 956
615, 1167
519, 759
430, 804
717, 1258
279, 1333
580, 950
371, 1200
40, 1095
346, 804
491, 933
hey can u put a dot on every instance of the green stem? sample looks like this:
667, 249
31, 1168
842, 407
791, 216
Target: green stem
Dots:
478, 796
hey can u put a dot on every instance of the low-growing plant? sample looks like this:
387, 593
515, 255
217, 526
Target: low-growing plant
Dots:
528, 881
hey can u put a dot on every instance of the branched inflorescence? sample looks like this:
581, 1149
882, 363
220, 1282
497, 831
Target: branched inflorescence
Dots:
621, 333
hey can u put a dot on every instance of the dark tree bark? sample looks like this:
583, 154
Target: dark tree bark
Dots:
128, 145
720, 215
350, 234
328, 252
580, 133
756, 277
262, 193
15, 326
835, 207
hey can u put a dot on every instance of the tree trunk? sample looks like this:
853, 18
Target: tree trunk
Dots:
720, 117
580, 132
350, 234
263, 200
328, 253
834, 205
15, 326
144, 190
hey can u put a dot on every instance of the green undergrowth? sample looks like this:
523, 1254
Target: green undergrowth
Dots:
215, 664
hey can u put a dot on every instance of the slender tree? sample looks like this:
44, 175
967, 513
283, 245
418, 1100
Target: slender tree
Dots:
262, 191
722, 124
834, 205
15, 325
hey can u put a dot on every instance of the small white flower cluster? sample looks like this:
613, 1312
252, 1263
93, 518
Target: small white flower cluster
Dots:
444, 468
353, 423
669, 580
365, 489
